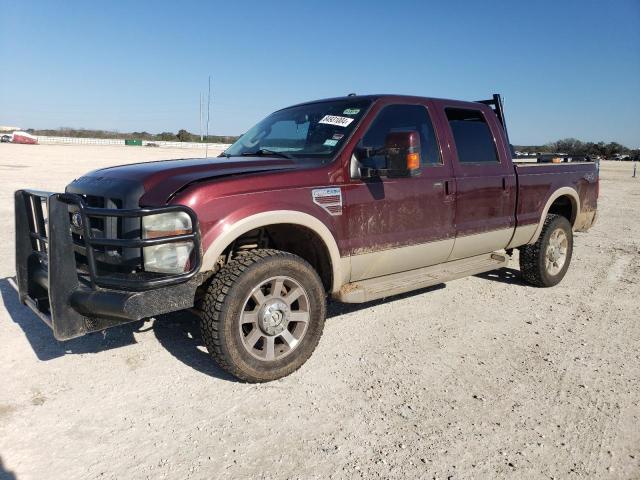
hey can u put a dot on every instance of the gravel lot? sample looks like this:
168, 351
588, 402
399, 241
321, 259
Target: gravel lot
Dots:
479, 378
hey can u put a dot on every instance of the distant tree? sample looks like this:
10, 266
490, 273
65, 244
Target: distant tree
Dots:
184, 136
142, 135
571, 146
614, 148
218, 139
166, 137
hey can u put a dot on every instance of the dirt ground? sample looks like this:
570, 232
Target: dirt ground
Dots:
480, 378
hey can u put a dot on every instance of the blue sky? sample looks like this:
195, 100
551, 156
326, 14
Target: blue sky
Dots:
565, 68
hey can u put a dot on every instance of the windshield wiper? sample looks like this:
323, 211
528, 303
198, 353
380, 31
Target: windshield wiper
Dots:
265, 151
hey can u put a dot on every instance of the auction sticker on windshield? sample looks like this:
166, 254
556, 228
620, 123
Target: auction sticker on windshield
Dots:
336, 120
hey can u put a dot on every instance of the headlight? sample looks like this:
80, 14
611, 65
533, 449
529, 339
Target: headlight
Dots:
169, 257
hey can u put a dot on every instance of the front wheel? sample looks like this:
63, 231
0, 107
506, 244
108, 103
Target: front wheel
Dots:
263, 315
545, 262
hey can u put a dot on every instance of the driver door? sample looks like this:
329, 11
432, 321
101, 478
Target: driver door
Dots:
400, 224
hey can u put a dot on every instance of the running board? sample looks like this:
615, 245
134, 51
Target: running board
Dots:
388, 285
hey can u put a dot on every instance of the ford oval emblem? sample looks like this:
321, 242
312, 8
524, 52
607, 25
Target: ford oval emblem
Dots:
76, 220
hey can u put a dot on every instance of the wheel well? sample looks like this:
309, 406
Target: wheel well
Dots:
564, 206
296, 239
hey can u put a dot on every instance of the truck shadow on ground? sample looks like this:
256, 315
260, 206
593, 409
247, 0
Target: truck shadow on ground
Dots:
6, 474
510, 276
41, 339
178, 333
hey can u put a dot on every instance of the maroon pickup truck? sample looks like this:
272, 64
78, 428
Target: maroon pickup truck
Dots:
358, 197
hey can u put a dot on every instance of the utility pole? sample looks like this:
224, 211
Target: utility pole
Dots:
201, 100
635, 165
206, 148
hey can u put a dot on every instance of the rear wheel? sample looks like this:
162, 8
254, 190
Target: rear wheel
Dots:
263, 315
545, 262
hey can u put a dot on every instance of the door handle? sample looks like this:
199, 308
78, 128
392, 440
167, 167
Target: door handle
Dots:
505, 188
449, 187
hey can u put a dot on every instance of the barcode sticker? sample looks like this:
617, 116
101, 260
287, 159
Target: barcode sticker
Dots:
336, 120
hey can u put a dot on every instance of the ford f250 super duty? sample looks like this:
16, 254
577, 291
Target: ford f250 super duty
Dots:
357, 197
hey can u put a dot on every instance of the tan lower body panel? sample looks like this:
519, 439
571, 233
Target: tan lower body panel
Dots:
388, 285
523, 235
385, 262
479, 243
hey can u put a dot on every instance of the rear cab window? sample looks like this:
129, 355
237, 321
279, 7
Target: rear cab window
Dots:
472, 136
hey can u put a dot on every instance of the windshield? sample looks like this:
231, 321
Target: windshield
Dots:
312, 131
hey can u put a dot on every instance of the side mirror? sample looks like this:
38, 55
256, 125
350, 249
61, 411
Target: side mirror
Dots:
402, 151
400, 157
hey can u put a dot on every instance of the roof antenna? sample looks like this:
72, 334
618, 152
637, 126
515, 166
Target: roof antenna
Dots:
351, 95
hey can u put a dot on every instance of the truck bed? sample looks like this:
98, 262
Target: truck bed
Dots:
536, 182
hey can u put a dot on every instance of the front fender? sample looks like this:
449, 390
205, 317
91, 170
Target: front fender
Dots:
225, 232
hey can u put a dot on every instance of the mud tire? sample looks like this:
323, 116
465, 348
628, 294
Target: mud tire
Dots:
533, 258
223, 303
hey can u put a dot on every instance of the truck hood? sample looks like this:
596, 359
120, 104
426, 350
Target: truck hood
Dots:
166, 177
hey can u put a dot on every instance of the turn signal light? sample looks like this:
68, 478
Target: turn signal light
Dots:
165, 233
413, 161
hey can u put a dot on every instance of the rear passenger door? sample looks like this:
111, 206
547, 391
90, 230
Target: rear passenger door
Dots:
485, 179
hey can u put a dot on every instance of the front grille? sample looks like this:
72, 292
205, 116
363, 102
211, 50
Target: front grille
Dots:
99, 202
112, 260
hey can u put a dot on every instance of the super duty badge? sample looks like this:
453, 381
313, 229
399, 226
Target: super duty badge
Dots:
328, 198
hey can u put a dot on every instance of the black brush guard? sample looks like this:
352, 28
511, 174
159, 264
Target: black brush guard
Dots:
73, 302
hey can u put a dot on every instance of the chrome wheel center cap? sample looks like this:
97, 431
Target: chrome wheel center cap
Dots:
274, 317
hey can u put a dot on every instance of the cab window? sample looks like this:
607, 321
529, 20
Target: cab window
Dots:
473, 139
398, 118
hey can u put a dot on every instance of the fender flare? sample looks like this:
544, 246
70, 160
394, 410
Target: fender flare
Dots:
575, 200
339, 266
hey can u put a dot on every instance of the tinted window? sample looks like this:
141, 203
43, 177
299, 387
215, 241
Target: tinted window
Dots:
399, 118
296, 134
309, 132
474, 141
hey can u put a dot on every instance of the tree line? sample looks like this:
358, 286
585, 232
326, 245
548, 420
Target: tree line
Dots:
180, 136
573, 146
570, 146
